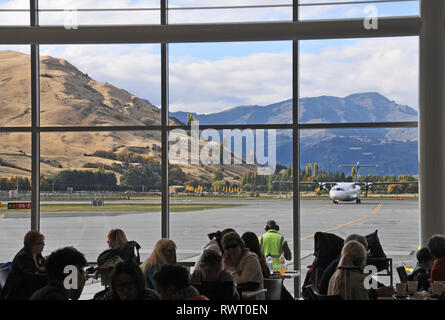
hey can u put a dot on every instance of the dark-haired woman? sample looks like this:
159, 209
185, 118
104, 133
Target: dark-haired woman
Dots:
128, 283
243, 264
27, 270
251, 241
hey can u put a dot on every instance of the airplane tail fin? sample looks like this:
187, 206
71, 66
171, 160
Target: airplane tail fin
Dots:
357, 167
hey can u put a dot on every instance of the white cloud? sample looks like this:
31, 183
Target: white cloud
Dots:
387, 65
135, 68
209, 86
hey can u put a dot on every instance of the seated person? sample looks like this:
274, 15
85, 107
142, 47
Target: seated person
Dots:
120, 249
57, 278
421, 272
27, 271
214, 278
214, 243
436, 245
243, 264
163, 253
251, 241
332, 267
119, 246
128, 283
352, 254
173, 283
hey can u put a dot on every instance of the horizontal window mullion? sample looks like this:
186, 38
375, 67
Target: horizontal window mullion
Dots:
98, 128
224, 32
358, 125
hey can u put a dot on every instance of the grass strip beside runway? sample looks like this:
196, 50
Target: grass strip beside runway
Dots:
149, 207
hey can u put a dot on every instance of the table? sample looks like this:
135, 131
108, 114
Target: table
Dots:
422, 295
250, 294
289, 274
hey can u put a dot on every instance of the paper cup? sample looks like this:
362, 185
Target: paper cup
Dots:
412, 286
401, 289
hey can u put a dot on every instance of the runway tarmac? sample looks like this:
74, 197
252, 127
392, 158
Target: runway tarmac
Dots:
397, 223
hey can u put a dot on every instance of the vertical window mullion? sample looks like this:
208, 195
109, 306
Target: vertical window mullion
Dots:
296, 156
165, 219
35, 122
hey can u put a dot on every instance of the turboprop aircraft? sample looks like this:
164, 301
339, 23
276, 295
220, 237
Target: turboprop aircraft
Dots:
348, 191
351, 191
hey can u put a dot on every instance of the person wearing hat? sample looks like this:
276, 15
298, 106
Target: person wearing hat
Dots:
273, 244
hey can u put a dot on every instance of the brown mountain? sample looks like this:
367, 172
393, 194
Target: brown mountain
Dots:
69, 97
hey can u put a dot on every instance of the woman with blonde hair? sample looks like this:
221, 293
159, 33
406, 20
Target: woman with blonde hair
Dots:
164, 252
118, 245
353, 254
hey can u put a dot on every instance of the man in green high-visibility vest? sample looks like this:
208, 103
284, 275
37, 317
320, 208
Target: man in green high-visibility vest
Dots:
273, 244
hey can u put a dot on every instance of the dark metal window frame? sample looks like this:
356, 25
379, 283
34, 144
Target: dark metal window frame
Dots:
164, 34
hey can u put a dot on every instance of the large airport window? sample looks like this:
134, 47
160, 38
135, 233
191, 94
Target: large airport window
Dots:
100, 85
92, 182
228, 178
222, 11
15, 86
14, 12
15, 192
72, 14
344, 9
231, 83
359, 80
357, 181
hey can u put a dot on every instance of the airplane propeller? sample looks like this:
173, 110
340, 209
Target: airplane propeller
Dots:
321, 187
368, 186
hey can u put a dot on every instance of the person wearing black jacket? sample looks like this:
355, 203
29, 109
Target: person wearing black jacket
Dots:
422, 270
55, 266
27, 271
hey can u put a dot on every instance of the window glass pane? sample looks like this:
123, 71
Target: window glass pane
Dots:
14, 12
15, 192
308, 10
100, 85
217, 188
73, 13
92, 182
205, 11
15, 86
231, 83
389, 207
360, 80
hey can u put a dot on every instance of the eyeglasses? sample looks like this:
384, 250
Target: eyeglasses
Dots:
231, 246
122, 285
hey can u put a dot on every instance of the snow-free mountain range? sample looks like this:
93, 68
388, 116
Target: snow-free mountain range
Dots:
71, 97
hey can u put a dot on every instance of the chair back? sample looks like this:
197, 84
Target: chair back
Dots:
402, 274
4, 273
216, 290
310, 292
274, 288
318, 296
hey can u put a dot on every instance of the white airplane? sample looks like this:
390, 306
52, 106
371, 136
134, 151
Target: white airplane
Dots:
349, 191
